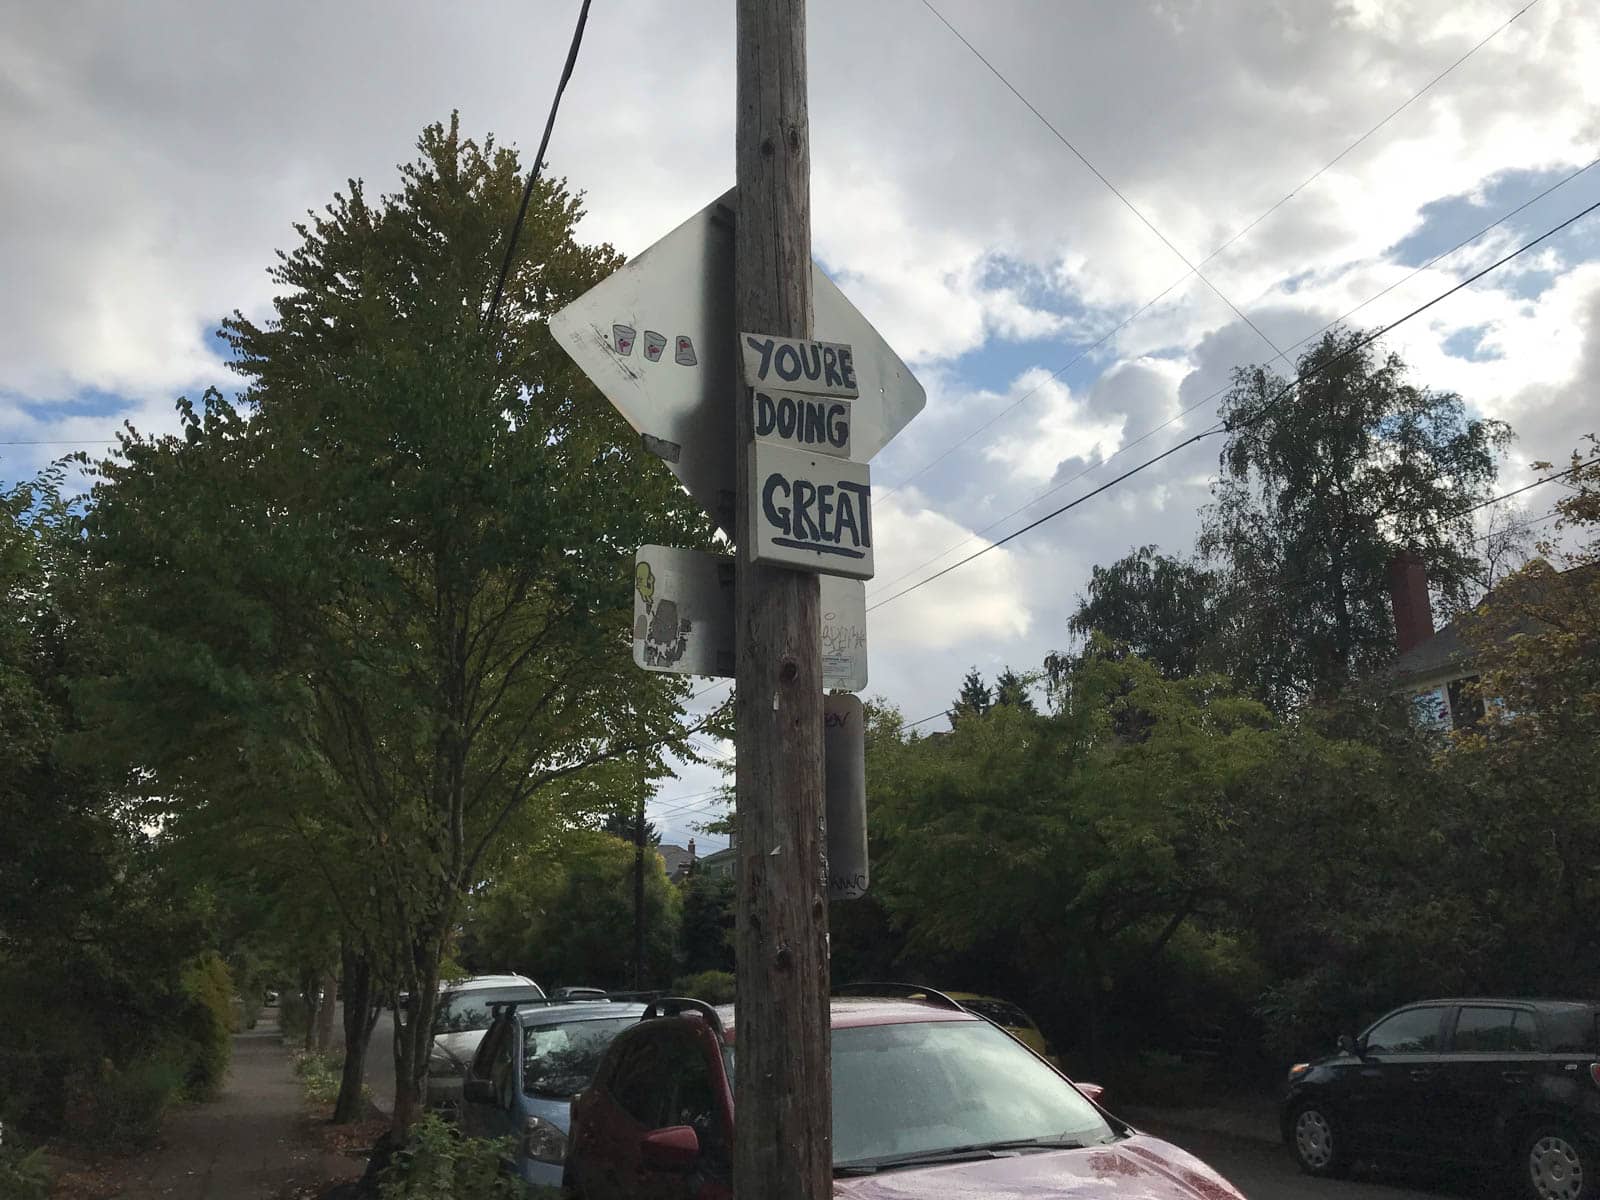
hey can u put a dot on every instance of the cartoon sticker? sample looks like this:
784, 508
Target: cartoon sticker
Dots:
684, 355
622, 339
654, 344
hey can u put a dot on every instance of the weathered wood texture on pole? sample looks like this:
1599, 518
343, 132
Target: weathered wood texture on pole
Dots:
783, 1145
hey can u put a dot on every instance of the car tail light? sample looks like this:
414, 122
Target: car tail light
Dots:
542, 1141
1594, 1073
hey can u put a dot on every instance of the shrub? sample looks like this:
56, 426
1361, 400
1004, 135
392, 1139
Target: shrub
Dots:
714, 987
206, 1024
319, 1074
23, 1174
294, 1014
125, 1109
439, 1163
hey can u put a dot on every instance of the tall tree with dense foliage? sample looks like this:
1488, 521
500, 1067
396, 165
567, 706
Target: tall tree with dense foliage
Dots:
973, 700
1321, 484
1165, 610
397, 567
108, 1003
1082, 846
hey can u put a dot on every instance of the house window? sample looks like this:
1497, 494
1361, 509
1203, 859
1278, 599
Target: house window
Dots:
1432, 708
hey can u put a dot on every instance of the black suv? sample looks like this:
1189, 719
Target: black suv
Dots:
1514, 1082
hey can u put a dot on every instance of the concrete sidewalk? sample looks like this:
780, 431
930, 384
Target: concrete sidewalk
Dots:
248, 1144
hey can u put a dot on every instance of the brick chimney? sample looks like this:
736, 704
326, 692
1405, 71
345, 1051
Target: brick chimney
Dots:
1408, 593
691, 849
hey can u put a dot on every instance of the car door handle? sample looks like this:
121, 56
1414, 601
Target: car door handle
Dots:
1516, 1076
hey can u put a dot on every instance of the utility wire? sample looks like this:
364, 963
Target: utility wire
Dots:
1178, 416
1098, 174
1267, 408
538, 161
1153, 301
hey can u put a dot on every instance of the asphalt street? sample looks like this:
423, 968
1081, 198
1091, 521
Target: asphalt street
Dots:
1268, 1172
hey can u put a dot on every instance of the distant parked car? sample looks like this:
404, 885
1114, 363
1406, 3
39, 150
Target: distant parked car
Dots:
271, 998
579, 993
929, 1101
532, 1061
1488, 1082
1010, 1018
459, 1023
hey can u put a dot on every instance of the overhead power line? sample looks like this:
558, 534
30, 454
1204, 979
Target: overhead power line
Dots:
1267, 408
1194, 271
1098, 174
1204, 400
538, 161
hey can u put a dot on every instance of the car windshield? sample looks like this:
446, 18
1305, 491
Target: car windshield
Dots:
560, 1059
464, 1012
920, 1089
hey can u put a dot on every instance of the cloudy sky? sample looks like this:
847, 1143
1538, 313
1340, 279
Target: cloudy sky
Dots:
158, 153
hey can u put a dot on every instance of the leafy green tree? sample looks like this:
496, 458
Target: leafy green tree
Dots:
102, 1011
1011, 690
397, 568
1083, 848
1321, 485
1162, 609
974, 699
568, 920
706, 932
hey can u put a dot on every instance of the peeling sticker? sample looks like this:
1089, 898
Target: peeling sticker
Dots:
774, 701
778, 849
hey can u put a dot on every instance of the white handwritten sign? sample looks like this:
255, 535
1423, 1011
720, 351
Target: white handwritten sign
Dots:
820, 423
810, 512
799, 364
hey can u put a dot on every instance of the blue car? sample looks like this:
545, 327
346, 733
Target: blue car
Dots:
532, 1061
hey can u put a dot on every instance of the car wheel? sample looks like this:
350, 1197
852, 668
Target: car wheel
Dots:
1317, 1143
1555, 1165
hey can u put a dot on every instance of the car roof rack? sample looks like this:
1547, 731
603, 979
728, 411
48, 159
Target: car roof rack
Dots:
909, 991
674, 1006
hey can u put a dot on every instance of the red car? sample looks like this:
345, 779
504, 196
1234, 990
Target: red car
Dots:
929, 1101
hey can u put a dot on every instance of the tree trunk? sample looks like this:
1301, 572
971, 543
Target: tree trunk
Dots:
359, 1018
308, 993
330, 997
413, 1041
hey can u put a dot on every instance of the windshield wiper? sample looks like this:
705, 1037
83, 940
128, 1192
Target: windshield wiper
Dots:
952, 1154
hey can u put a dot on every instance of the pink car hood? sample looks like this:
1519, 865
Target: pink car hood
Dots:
1136, 1168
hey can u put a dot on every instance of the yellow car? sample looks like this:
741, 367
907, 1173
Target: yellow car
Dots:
1010, 1018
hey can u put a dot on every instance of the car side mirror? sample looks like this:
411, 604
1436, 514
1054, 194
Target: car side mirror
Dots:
1350, 1046
1092, 1090
477, 1091
675, 1148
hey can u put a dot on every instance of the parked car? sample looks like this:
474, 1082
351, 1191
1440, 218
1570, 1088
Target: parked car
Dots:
1010, 1018
459, 1023
579, 993
929, 1100
1490, 1082
532, 1061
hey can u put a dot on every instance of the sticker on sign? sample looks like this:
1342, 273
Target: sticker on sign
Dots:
810, 512
683, 618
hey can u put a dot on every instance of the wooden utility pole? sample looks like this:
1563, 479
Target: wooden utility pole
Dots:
783, 1144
